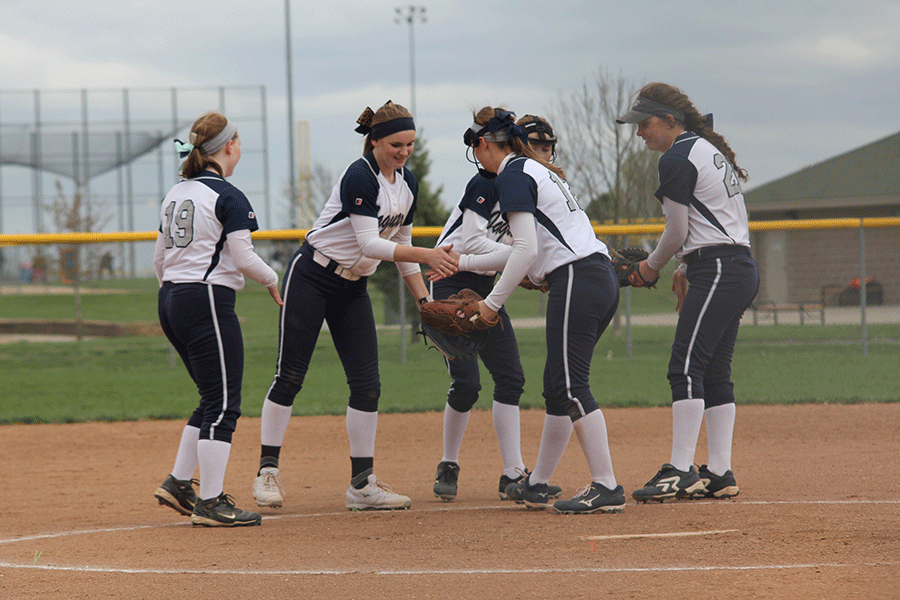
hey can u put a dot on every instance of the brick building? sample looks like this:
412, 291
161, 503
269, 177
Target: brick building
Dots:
809, 265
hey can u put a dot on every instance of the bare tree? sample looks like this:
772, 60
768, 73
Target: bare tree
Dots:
77, 215
607, 166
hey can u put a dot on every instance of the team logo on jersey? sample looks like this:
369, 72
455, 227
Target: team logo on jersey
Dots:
359, 201
480, 200
251, 215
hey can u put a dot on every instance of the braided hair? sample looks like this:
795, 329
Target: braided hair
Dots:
671, 96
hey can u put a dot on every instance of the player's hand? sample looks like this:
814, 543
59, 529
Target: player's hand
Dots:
679, 286
443, 261
276, 295
647, 273
486, 313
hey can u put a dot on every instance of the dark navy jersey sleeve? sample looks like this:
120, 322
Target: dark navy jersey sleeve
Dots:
413, 184
479, 197
234, 211
359, 190
677, 178
516, 190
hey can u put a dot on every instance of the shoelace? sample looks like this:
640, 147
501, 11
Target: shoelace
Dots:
187, 485
271, 483
523, 473
583, 491
384, 487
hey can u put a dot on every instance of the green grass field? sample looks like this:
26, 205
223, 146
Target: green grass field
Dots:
140, 378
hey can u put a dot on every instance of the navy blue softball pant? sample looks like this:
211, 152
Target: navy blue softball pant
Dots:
500, 354
582, 300
313, 295
200, 322
723, 282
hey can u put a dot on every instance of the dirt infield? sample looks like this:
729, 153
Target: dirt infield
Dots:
818, 515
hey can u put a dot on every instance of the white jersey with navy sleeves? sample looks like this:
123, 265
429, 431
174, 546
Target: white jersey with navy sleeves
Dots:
476, 224
196, 217
694, 173
363, 190
564, 231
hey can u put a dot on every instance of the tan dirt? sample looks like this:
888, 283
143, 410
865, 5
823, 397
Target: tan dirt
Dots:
818, 515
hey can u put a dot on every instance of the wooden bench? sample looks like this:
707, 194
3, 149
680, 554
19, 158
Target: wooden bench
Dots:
765, 310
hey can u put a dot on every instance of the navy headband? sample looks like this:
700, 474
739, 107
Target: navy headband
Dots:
382, 130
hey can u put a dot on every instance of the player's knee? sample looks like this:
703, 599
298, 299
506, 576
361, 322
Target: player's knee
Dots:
718, 393
509, 390
462, 397
365, 400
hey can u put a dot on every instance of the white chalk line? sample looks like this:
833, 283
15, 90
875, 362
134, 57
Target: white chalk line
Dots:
514, 571
87, 569
637, 536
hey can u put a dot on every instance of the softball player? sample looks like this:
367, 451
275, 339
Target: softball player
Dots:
367, 219
476, 226
203, 251
553, 244
706, 229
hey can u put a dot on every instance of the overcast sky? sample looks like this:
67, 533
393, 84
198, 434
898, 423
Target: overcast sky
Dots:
790, 83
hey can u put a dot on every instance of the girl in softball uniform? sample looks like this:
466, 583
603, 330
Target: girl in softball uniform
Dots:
203, 251
367, 219
476, 226
707, 230
554, 245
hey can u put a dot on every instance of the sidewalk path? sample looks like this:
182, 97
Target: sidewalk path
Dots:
834, 315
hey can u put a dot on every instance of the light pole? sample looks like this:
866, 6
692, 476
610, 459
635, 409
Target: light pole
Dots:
409, 14
292, 208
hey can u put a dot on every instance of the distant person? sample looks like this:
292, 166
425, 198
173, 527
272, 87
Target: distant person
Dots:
707, 230
203, 252
367, 219
39, 268
106, 266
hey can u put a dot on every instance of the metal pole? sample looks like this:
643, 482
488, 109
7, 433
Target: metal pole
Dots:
410, 17
265, 151
863, 288
412, 66
37, 159
627, 311
290, 115
402, 318
129, 181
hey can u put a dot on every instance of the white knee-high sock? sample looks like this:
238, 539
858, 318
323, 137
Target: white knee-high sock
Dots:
454, 429
719, 434
554, 438
591, 432
508, 429
274, 423
687, 417
213, 456
361, 428
186, 460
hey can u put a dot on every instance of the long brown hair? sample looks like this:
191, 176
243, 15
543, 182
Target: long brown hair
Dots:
672, 97
387, 112
514, 144
204, 129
